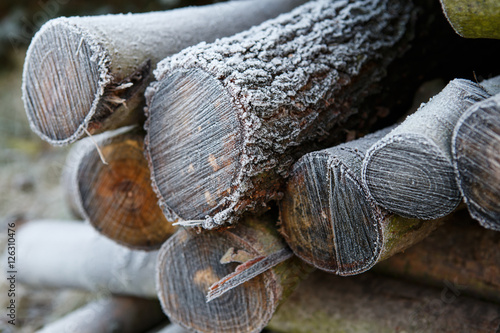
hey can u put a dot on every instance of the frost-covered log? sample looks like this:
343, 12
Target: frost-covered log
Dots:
111, 187
370, 303
330, 221
476, 158
69, 254
460, 253
122, 314
409, 171
473, 19
226, 120
87, 74
190, 264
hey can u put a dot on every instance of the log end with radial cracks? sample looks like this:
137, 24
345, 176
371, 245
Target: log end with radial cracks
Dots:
476, 156
327, 217
117, 197
193, 129
189, 263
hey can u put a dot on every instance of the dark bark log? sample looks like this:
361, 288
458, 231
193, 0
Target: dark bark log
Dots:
88, 74
370, 303
115, 314
476, 158
227, 120
460, 253
330, 221
68, 254
189, 264
409, 171
116, 198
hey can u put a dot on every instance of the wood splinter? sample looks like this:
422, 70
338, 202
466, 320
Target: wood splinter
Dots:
116, 198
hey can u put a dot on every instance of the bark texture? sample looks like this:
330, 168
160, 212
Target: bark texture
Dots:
272, 91
69, 254
409, 171
88, 74
459, 254
330, 221
122, 314
190, 263
370, 303
476, 158
116, 198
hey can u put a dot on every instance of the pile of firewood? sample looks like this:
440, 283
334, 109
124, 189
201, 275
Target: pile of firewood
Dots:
253, 168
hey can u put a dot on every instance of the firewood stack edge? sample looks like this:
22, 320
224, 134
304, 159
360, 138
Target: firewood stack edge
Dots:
222, 153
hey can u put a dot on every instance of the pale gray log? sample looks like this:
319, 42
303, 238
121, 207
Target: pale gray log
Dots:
122, 314
69, 254
227, 120
409, 171
171, 328
476, 159
88, 73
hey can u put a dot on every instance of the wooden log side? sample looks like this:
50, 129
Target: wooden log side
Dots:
226, 120
69, 254
330, 221
171, 328
189, 263
88, 74
124, 314
370, 303
460, 253
473, 19
409, 171
116, 198
476, 158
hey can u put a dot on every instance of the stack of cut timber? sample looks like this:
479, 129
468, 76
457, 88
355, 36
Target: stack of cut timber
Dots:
233, 126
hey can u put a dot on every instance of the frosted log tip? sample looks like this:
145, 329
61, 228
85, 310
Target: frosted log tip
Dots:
190, 263
193, 129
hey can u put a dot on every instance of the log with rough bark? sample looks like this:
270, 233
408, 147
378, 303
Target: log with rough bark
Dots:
227, 120
370, 303
190, 265
69, 254
111, 187
122, 314
330, 221
87, 74
409, 171
476, 158
473, 19
460, 253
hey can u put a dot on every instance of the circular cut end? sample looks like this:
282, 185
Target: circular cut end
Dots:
188, 264
193, 143
477, 162
410, 176
61, 82
118, 199
327, 218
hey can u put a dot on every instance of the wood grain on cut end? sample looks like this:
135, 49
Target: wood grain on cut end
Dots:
189, 264
193, 144
62, 69
476, 150
117, 198
411, 177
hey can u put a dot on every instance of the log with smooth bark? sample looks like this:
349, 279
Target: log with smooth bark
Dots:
473, 19
409, 171
460, 253
226, 120
330, 221
189, 264
116, 198
122, 314
476, 158
371, 303
69, 254
87, 74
